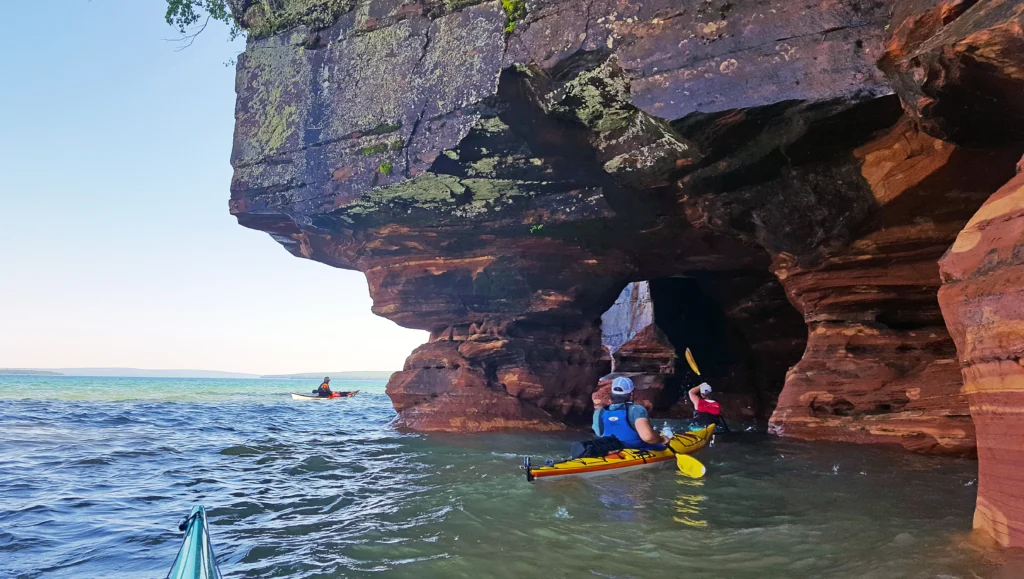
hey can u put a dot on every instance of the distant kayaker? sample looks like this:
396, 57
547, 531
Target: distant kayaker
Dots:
626, 421
324, 391
706, 410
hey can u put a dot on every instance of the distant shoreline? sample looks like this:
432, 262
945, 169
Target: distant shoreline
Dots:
21, 372
154, 373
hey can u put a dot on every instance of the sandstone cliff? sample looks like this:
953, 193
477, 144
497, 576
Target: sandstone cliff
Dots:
783, 175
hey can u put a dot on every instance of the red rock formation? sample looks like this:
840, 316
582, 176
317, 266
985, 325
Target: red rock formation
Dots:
957, 66
982, 297
879, 365
740, 327
501, 191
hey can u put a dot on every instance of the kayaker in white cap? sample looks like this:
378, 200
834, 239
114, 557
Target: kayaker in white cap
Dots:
626, 421
706, 410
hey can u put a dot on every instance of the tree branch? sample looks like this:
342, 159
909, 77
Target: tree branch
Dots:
188, 39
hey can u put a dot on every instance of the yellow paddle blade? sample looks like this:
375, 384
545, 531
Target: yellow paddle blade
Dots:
690, 466
692, 362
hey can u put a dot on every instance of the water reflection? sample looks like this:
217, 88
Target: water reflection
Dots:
687, 504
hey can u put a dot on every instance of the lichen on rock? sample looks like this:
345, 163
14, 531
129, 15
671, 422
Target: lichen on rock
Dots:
267, 17
444, 195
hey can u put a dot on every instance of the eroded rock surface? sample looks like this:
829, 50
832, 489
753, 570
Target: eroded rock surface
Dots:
784, 175
638, 349
983, 299
500, 192
499, 189
957, 66
879, 363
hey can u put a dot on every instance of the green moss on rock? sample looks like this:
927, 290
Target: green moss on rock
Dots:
275, 78
384, 129
374, 149
428, 191
598, 98
444, 194
515, 10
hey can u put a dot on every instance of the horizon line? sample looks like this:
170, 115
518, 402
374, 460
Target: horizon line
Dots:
139, 369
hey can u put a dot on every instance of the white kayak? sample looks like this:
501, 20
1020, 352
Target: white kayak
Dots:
337, 396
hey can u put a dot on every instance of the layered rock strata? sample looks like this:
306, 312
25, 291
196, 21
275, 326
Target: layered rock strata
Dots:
784, 176
500, 178
983, 299
880, 365
500, 191
958, 67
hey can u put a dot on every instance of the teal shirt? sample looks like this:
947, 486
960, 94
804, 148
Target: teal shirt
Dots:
635, 411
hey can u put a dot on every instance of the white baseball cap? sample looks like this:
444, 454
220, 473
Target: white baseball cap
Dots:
705, 388
622, 385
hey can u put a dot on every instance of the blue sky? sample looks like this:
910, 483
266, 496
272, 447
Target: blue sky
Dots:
116, 246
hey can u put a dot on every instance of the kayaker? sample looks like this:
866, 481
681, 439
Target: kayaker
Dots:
626, 421
706, 411
324, 391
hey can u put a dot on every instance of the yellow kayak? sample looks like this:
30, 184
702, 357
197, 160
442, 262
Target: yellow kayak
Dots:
623, 460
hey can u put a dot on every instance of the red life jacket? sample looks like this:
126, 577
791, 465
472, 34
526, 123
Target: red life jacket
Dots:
709, 406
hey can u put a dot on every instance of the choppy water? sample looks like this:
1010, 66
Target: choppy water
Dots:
96, 472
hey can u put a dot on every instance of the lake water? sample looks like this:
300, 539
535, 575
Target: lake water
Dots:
96, 472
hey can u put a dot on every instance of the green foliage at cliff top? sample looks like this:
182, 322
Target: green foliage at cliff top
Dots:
259, 17
184, 14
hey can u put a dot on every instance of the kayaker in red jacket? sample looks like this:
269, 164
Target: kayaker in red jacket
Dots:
706, 410
324, 391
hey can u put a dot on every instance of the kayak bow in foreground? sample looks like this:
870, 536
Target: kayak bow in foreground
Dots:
623, 460
195, 560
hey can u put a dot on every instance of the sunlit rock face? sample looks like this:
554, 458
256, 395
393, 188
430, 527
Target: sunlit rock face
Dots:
639, 350
957, 65
983, 299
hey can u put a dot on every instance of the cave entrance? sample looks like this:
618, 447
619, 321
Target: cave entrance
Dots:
743, 333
